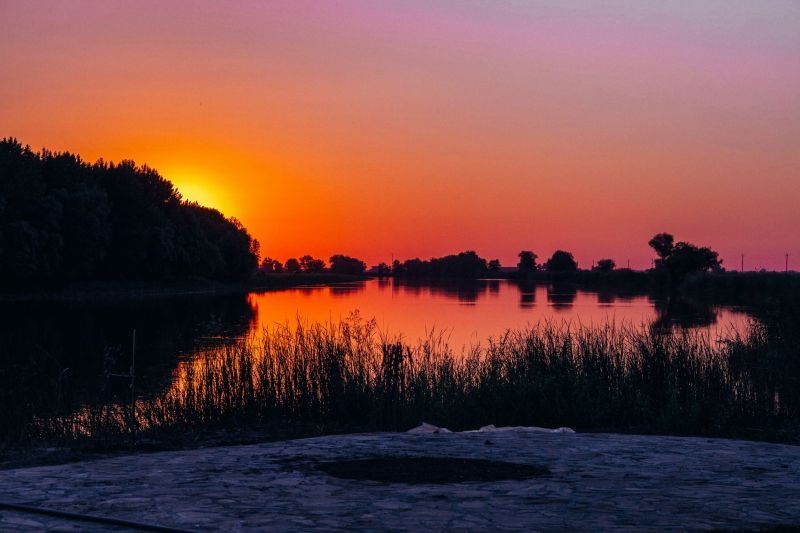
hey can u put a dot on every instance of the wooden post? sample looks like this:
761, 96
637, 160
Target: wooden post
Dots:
133, 389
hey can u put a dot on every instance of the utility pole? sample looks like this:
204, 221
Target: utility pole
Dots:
742, 270
787, 263
629, 264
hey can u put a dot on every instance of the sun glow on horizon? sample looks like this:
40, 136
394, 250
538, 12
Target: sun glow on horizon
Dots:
418, 129
199, 186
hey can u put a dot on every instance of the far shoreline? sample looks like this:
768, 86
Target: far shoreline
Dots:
729, 288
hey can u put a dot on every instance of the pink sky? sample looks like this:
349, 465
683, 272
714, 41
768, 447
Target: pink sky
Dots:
423, 128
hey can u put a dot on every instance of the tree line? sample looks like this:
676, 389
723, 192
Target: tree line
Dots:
338, 264
675, 262
63, 220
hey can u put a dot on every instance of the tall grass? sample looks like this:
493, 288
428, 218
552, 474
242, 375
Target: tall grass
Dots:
348, 376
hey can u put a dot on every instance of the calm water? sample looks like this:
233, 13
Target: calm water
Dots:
62, 353
472, 312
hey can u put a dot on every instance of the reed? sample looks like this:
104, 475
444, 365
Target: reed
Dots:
349, 376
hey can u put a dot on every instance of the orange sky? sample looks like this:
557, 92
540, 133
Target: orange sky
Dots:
429, 127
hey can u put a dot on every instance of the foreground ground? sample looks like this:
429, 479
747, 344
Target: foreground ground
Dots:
596, 481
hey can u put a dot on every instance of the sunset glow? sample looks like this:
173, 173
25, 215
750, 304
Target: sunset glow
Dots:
420, 128
196, 185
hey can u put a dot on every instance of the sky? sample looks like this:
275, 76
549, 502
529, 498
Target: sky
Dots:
405, 129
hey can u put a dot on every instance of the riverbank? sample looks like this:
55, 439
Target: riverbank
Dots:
140, 290
595, 482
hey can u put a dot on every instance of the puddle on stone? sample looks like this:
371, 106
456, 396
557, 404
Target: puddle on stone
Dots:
429, 470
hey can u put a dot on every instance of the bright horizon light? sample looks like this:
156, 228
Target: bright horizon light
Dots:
422, 128
199, 186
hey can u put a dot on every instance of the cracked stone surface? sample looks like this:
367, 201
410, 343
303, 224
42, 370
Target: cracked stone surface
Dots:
597, 482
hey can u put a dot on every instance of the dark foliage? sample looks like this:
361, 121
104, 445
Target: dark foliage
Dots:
57, 357
561, 262
311, 264
687, 258
463, 265
605, 265
346, 376
382, 270
677, 261
527, 262
292, 266
271, 266
343, 264
64, 220
662, 243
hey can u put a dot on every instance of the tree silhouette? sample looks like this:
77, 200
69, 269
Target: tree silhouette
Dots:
311, 265
662, 243
467, 265
527, 262
561, 262
681, 259
292, 266
62, 220
382, 270
605, 265
271, 266
494, 266
343, 264
687, 258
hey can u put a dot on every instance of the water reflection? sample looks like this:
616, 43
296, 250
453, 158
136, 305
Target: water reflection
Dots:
464, 291
493, 286
344, 290
472, 311
685, 313
605, 297
527, 294
57, 355
561, 295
